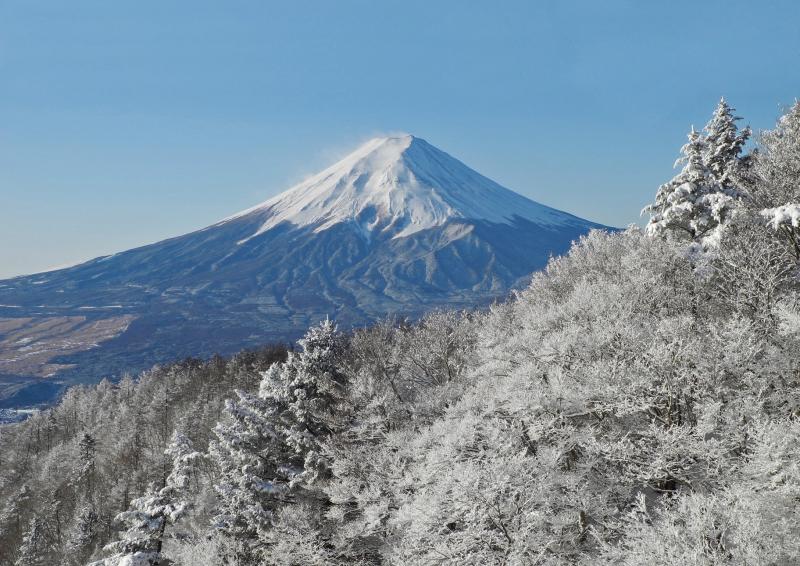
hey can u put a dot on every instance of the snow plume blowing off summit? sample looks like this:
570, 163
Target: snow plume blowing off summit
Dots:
396, 227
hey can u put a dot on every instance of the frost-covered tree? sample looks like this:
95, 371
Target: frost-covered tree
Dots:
785, 221
249, 453
269, 448
85, 466
13, 520
694, 203
775, 181
84, 535
53, 518
37, 546
148, 517
752, 520
724, 144
751, 275
309, 387
777, 162
707, 191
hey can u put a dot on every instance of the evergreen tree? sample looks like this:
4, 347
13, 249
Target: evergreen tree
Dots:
85, 469
268, 449
705, 194
724, 145
50, 429
309, 385
694, 203
149, 516
248, 452
36, 549
53, 516
84, 535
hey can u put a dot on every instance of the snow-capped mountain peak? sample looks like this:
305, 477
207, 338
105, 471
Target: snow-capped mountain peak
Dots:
396, 227
398, 185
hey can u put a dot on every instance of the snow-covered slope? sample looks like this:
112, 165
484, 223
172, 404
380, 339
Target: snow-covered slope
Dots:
397, 227
399, 185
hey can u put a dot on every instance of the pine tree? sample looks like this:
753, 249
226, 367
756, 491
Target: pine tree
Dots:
85, 468
83, 536
310, 385
693, 203
53, 517
707, 191
36, 548
149, 516
185, 462
248, 451
269, 448
50, 429
724, 145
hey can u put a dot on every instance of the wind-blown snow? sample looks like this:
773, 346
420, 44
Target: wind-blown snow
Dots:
398, 185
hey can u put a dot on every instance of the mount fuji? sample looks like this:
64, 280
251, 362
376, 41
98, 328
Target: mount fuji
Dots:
397, 227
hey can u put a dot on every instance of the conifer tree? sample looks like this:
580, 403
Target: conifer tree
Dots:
706, 192
310, 385
693, 203
724, 145
248, 451
83, 537
149, 516
268, 449
85, 467
36, 549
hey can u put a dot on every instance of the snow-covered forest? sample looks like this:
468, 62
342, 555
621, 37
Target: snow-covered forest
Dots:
638, 403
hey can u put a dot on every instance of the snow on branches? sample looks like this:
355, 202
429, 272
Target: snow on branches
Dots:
704, 195
269, 448
148, 516
785, 220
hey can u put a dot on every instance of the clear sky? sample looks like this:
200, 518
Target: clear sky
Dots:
125, 122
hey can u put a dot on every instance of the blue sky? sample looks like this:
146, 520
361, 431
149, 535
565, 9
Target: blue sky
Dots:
122, 123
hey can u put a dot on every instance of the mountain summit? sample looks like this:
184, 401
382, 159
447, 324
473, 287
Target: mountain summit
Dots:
396, 227
398, 186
